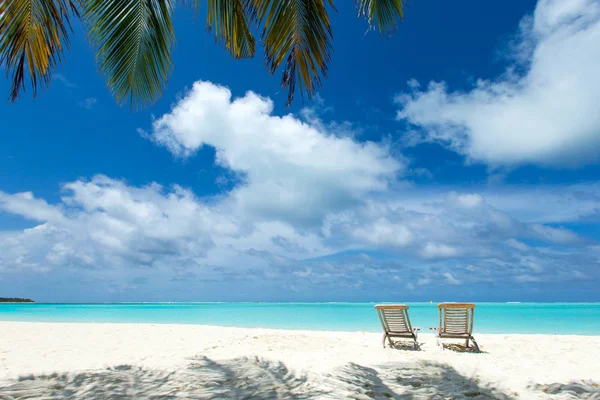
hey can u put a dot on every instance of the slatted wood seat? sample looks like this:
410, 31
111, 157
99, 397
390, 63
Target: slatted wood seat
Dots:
396, 323
456, 322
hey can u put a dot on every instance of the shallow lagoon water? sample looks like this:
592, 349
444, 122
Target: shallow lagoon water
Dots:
541, 318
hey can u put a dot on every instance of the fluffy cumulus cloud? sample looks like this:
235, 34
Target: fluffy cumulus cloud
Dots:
103, 221
542, 110
314, 215
291, 169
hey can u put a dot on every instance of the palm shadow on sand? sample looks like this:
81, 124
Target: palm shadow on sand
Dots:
414, 381
575, 390
243, 378
256, 378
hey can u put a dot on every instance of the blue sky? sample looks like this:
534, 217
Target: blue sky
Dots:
456, 160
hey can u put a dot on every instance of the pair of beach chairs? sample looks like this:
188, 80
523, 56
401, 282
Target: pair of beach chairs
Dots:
456, 322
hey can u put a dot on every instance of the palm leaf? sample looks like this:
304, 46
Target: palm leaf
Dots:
384, 13
33, 36
133, 40
229, 21
299, 33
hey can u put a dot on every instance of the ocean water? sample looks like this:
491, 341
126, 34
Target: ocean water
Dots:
558, 318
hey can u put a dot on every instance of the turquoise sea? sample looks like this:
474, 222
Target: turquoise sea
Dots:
559, 318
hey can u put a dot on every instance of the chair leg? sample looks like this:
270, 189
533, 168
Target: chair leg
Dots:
467, 343
390, 342
384, 336
416, 339
475, 344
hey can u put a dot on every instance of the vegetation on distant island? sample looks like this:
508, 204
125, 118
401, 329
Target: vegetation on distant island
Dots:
15, 300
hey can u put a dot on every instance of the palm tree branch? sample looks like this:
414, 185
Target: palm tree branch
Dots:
133, 41
33, 36
385, 14
230, 22
297, 32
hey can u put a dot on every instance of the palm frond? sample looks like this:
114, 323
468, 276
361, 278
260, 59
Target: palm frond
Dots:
229, 21
299, 32
33, 36
133, 40
385, 14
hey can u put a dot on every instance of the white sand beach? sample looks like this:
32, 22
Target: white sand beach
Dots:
99, 361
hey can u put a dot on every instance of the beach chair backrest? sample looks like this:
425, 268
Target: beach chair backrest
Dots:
394, 318
456, 318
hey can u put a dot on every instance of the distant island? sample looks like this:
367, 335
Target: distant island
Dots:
15, 300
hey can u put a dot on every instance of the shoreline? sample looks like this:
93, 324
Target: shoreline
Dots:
424, 331
340, 363
435, 303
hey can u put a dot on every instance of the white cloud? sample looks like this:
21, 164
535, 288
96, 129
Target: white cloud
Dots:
104, 221
546, 115
28, 206
63, 79
469, 200
451, 279
433, 250
381, 232
292, 169
548, 203
426, 225
518, 244
555, 235
88, 103
26, 250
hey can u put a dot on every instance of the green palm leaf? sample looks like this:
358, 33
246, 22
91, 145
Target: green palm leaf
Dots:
33, 36
229, 21
299, 33
133, 40
384, 13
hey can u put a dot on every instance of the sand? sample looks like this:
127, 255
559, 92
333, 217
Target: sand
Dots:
137, 361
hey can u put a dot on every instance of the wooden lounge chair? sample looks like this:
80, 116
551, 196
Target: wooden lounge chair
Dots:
396, 324
456, 322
